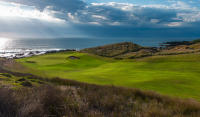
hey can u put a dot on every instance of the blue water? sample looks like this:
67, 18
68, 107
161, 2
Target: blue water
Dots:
79, 43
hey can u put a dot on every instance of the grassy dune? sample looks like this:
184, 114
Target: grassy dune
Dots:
177, 75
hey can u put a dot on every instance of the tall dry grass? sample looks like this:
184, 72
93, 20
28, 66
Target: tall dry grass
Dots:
83, 100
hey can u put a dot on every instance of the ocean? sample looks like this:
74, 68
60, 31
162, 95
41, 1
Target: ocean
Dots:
26, 47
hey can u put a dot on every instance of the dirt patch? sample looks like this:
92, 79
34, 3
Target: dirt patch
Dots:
30, 62
73, 57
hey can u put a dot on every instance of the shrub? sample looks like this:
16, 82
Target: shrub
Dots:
65, 98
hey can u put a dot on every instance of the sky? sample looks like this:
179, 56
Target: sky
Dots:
100, 18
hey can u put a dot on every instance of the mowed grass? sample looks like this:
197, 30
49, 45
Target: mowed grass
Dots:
177, 75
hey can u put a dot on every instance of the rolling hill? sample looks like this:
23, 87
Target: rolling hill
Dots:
93, 82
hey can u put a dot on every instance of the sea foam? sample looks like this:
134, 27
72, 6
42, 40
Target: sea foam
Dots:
20, 53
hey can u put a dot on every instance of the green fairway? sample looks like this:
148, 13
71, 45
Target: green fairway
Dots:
177, 75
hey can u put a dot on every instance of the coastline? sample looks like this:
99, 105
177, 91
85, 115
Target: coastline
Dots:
167, 48
22, 53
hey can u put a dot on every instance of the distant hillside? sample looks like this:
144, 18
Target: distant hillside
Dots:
177, 43
182, 47
121, 50
131, 50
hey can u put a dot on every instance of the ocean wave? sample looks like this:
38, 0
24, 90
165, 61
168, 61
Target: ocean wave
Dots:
21, 53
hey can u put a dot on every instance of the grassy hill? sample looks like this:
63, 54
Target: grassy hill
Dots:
113, 50
131, 51
175, 75
121, 50
90, 84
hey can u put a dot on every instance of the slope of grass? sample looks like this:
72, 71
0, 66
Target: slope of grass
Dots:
177, 75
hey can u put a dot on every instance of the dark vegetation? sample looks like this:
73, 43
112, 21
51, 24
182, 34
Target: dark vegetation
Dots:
177, 43
55, 51
57, 97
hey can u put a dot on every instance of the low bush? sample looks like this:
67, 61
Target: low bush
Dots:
86, 100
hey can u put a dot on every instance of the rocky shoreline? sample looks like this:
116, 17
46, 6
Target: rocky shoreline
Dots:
28, 53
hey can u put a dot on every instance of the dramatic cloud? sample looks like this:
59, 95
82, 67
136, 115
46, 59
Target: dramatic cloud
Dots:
112, 13
19, 20
59, 5
16, 11
171, 18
